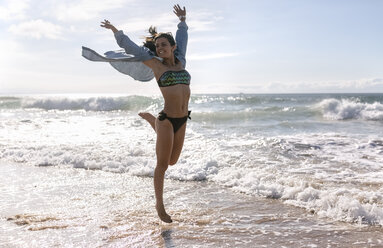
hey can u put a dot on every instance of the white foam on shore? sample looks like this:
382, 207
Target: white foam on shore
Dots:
342, 204
252, 171
264, 167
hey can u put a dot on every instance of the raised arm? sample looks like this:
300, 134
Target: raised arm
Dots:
181, 34
141, 53
106, 24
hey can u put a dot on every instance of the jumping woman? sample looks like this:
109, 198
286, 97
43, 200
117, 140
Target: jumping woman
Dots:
167, 62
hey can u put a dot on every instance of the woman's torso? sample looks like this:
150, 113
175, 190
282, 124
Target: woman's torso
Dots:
176, 95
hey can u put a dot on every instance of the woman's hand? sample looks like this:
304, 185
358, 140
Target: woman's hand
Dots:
181, 13
106, 24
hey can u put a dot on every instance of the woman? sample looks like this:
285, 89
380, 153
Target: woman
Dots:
173, 80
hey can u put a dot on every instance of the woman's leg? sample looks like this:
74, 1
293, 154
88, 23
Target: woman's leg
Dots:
149, 118
178, 143
164, 146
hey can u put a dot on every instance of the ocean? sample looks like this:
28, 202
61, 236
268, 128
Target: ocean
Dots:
272, 170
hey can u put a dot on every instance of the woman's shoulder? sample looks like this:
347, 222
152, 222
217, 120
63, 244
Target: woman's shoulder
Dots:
155, 63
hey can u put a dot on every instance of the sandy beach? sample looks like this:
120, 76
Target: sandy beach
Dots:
61, 207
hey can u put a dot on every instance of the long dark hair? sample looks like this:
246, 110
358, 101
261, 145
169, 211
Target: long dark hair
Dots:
150, 41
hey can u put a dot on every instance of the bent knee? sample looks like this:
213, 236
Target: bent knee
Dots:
173, 162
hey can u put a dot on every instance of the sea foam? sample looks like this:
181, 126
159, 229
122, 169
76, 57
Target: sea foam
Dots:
90, 103
346, 109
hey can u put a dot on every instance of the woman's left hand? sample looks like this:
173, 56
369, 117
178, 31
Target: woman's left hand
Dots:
181, 13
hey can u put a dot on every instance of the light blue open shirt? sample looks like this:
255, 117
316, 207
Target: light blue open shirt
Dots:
129, 60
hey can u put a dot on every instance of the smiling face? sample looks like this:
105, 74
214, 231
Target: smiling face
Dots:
163, 48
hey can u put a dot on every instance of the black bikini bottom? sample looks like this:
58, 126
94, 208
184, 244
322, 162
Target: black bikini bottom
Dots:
176, 122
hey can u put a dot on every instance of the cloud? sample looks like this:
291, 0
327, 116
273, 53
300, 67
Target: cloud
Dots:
69, 11
197, 21
203, 21
373, 85
211, 56
164, 23
14, 10
37, 29
208, 39
335, 86
9, 50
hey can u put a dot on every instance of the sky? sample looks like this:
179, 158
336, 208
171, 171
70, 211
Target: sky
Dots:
235, 46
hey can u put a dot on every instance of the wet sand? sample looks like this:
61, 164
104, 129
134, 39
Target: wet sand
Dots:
65, 207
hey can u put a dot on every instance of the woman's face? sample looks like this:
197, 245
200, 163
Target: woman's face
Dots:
163, 48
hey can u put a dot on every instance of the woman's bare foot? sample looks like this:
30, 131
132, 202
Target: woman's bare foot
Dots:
149, 118
163, 215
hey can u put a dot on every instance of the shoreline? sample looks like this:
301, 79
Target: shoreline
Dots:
53, 206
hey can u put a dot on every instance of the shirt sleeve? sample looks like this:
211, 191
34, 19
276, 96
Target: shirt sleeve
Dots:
140, 52
182, 41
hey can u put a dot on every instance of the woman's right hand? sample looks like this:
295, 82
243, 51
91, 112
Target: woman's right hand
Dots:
106, 24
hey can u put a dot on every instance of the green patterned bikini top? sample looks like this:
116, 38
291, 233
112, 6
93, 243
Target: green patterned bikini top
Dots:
170, 78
